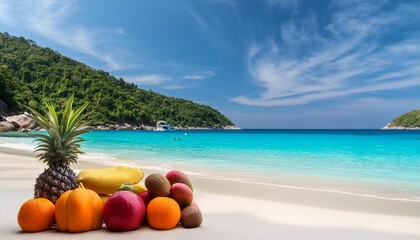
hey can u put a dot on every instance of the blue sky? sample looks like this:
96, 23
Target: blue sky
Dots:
264, 64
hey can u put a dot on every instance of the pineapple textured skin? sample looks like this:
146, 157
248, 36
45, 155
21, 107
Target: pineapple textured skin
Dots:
54, 181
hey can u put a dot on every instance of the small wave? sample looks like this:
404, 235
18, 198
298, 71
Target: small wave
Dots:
157, 168
19, 146
100, 158
413, 199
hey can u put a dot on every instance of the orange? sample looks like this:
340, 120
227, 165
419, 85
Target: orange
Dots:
163, 213
36, 215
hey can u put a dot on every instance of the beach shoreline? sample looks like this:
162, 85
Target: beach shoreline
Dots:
353, 163
234, 210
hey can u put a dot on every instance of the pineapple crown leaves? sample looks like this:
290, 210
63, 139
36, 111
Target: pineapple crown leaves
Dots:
61, 146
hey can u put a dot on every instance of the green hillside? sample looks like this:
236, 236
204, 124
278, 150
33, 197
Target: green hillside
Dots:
408, 120
29, 74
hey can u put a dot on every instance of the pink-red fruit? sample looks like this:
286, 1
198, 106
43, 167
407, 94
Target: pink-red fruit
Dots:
176, 176
182, 194
191, 217
195, 204
124, 211
146, 197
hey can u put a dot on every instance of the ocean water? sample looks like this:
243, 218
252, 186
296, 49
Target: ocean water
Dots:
374, 163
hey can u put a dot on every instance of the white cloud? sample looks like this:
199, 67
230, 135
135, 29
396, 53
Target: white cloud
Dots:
5, 13
359, 114
194, 77
49, 19
210, 18
353, 59
168, 81
151, 79
198, 18
120, 31
174, 87
200, 75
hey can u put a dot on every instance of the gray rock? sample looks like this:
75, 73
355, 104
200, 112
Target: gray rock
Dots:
231, 127
7, 126
147, 128
23, 120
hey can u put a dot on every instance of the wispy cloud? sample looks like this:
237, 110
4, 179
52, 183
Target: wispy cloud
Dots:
353, 54
6, 13
172, 80
357, 114
209, 15
49, 19
200, 75
152, 79
174, 86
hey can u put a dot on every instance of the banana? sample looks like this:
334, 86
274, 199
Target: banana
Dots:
136, 188
139, 188
109, 180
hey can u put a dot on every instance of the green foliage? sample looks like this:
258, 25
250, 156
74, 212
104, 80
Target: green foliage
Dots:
30, 74
61, 146
409, 120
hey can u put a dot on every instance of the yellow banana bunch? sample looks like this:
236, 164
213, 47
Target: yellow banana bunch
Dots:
109, 180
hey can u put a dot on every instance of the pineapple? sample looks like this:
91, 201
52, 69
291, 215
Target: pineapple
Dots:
59, 149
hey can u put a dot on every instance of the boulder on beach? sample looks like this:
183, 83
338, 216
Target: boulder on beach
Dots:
23, 121
7, 126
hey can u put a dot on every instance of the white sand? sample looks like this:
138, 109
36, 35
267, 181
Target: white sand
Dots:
232, 210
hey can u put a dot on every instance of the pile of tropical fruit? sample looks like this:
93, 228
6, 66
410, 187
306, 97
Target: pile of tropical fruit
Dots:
112, 195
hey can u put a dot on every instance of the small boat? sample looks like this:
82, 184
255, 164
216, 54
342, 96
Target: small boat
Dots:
164, 126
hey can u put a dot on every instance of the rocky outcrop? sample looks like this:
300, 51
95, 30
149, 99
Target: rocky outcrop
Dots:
123, 126
127, 126
391, 126
409, 121
23, 121
147, 128
16, 123
229, 127
232, 127
7, 126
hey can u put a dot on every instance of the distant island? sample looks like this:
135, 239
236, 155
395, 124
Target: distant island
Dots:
409, 120
29, 74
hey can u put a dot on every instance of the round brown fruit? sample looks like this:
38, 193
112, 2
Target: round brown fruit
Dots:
158, 185
191, 217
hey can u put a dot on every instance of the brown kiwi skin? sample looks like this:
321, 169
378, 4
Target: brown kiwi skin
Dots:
191, 217
158, 185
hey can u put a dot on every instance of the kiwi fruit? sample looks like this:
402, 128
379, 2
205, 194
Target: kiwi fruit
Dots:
158, 185
191, 217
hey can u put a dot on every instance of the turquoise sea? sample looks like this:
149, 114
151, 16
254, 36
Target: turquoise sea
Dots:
375, 163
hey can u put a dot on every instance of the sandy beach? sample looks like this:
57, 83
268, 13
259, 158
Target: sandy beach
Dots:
231, 210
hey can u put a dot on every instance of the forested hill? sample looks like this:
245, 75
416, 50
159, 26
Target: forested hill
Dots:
29, 74
408, 120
